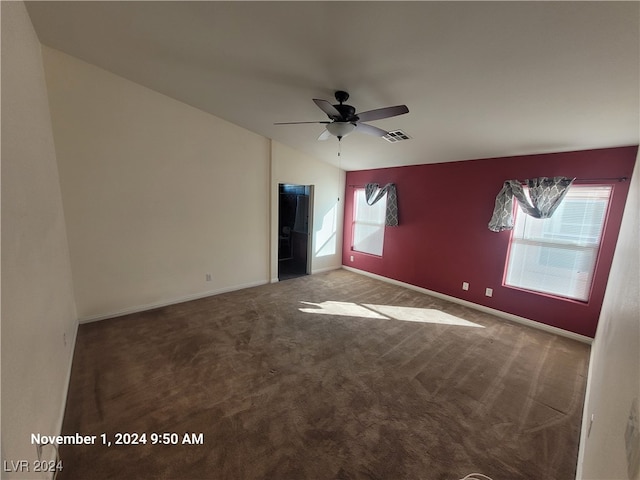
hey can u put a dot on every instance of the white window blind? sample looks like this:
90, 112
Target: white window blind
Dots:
558, 255
368, 224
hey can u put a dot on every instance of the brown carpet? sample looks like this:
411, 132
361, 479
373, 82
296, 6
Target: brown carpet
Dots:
280, 391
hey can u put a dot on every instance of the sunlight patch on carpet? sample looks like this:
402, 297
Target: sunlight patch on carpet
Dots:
387, 312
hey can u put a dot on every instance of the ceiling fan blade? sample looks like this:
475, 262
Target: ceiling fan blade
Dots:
370, 130
327, 108
381, 113
324, 135
296, 123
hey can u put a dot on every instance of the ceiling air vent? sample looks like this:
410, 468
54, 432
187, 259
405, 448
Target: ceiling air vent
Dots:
396, 136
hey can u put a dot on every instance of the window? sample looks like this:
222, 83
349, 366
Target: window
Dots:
558, 255
368, 224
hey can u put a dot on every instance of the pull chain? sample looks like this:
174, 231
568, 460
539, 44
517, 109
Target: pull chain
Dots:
339, 170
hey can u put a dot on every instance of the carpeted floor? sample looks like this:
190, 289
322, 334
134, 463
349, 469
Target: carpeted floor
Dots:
327, 376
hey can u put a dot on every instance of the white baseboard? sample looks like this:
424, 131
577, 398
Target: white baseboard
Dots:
52, 455
482, 308
173, 301
586, 420
150, 306
326, 269
492, 311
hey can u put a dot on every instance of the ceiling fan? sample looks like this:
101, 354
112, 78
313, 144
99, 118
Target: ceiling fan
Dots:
344, 119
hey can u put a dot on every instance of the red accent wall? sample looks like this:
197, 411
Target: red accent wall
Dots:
443, 239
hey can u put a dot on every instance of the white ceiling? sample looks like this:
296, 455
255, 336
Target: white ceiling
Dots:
481, 79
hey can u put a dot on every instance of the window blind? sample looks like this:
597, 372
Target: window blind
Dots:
368, 224
558, 255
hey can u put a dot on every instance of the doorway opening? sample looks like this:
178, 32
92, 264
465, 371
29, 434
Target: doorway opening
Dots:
294, 205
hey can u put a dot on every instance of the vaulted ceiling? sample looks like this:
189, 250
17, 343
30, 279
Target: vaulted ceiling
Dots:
481, 79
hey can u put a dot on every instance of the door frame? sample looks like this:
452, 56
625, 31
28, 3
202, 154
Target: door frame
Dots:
276, 224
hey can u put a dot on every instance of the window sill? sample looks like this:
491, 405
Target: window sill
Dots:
366, 253
584, 303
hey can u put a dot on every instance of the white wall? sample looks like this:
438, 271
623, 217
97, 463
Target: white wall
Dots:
614, 376
156, 193
37, 295
291, 166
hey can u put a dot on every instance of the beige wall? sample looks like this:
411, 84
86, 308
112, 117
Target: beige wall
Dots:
156, 193
38, 309
614, 377
291, 166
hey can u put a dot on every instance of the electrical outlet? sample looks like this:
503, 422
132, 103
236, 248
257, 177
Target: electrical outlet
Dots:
351, 258
208, 277
465, 285
488, 292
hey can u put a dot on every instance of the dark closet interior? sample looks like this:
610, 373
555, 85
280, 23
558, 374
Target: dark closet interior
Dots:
293, 228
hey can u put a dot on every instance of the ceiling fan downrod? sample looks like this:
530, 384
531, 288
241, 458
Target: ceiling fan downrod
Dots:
341, 96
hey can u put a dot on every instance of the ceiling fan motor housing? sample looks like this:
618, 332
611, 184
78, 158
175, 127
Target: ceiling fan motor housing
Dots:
347, 112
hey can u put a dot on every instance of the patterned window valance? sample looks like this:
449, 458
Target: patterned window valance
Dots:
545, 195
373, 193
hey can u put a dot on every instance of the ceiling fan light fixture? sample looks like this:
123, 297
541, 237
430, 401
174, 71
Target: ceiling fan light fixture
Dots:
340, 129
343, 119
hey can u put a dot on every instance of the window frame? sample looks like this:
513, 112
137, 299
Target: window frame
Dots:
382, 224
517, 213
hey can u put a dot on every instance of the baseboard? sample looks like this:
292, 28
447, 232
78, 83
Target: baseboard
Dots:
586, 420
326, 269
482, 308
173, 301
52, 455
150, 306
